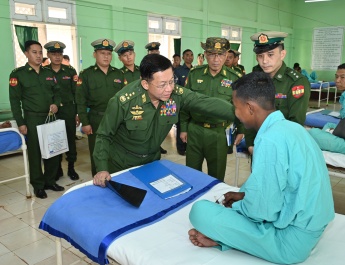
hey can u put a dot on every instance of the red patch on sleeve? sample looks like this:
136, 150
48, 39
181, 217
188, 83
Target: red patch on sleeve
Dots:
13, 81
75, 78
79, 82
297, 91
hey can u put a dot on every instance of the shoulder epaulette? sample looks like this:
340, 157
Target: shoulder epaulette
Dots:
126, 96
293, 74
18, 68
71, 67
234, 72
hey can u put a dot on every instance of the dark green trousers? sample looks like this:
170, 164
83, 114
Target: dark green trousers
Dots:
38, 178
95, 120
68, 112
209, 144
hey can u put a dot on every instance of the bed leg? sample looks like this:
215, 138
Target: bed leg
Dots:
26, 170
58, 251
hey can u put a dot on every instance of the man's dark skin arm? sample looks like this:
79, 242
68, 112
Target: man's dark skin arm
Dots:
231, 197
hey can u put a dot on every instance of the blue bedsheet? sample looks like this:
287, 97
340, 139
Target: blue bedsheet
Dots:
318, 119
9, 141
317, 85
91, 217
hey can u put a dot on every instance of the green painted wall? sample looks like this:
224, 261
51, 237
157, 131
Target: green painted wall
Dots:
308, 16
6, 56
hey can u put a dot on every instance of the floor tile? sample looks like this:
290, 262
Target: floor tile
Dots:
10, 225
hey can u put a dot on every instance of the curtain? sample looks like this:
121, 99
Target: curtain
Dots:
24, 34
177, 46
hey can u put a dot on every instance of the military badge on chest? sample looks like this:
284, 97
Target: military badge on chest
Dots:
137, 112
226, 82
168, 108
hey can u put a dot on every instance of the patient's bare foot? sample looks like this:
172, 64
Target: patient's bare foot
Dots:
199, 239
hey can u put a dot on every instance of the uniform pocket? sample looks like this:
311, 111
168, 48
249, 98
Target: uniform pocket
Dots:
136, 129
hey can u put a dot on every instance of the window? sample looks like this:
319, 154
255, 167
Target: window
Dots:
26, 9
232, 33
164, 30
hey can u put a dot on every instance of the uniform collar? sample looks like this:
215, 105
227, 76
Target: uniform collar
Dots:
125, 69
280, 74
222, 71
29, 68
96, 67
62, 68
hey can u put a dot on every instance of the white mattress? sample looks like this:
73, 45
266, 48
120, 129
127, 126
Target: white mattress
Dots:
166, 242
334, 159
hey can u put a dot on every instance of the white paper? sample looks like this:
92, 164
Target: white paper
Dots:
166, 183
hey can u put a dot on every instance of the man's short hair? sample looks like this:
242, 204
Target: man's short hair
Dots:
153, 63
185, 51
257, 87
342, 66
176, 55
66, 57
28, 44
201, 54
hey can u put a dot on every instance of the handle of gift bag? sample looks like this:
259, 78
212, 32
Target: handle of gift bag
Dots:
51, 117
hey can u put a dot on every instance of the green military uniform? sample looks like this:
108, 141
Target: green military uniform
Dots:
237, 70
292, 88
94, 89
33, 93
133, 129
67, 79
206, 135
121, 48
130, 76
241, 68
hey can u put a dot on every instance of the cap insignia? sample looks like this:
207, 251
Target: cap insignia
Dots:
125, 44
57, 46
153, 45
263, 38
217, 45
105, 43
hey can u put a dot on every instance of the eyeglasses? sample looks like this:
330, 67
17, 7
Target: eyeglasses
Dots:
164, 85
214, 55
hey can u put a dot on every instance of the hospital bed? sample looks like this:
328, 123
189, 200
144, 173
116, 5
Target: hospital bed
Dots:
319, 87
12, 141
317, 119
166, 241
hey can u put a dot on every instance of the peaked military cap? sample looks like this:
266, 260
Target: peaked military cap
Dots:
152, 46
217, 45
123, 46
55, 46
267, 40
103, 44
235, 47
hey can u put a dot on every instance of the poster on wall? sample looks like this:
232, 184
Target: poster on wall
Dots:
327, 48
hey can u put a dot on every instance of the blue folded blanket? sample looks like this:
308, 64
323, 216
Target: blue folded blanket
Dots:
91, 218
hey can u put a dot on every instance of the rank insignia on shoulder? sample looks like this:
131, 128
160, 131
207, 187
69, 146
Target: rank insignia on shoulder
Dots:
297, 91
123, 98
143, 97
13, 81
199, 81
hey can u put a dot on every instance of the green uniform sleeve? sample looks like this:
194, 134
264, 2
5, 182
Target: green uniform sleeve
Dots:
15, 93
81, 98
298, 105
107, 129
74, 81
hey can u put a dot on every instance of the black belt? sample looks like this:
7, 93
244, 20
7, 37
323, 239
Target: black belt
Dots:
135, 154
100, 113
210, 125
39, 114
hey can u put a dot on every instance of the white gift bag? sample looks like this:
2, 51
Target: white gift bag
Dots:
52, 138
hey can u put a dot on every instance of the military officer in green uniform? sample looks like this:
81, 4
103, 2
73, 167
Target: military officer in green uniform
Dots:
66, 77
153, 47
125, 50
292, 88
140, 116
235, 47
34, 94
95, 86
204, 134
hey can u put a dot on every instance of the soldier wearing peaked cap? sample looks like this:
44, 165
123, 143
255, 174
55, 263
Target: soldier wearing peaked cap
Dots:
125, 50
33, 94
139, 117
66, 77
153, 47
237, 67
95, 86
213, 79
292, 88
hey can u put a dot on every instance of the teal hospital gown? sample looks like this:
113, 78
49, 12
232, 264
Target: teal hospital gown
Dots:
288, 198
